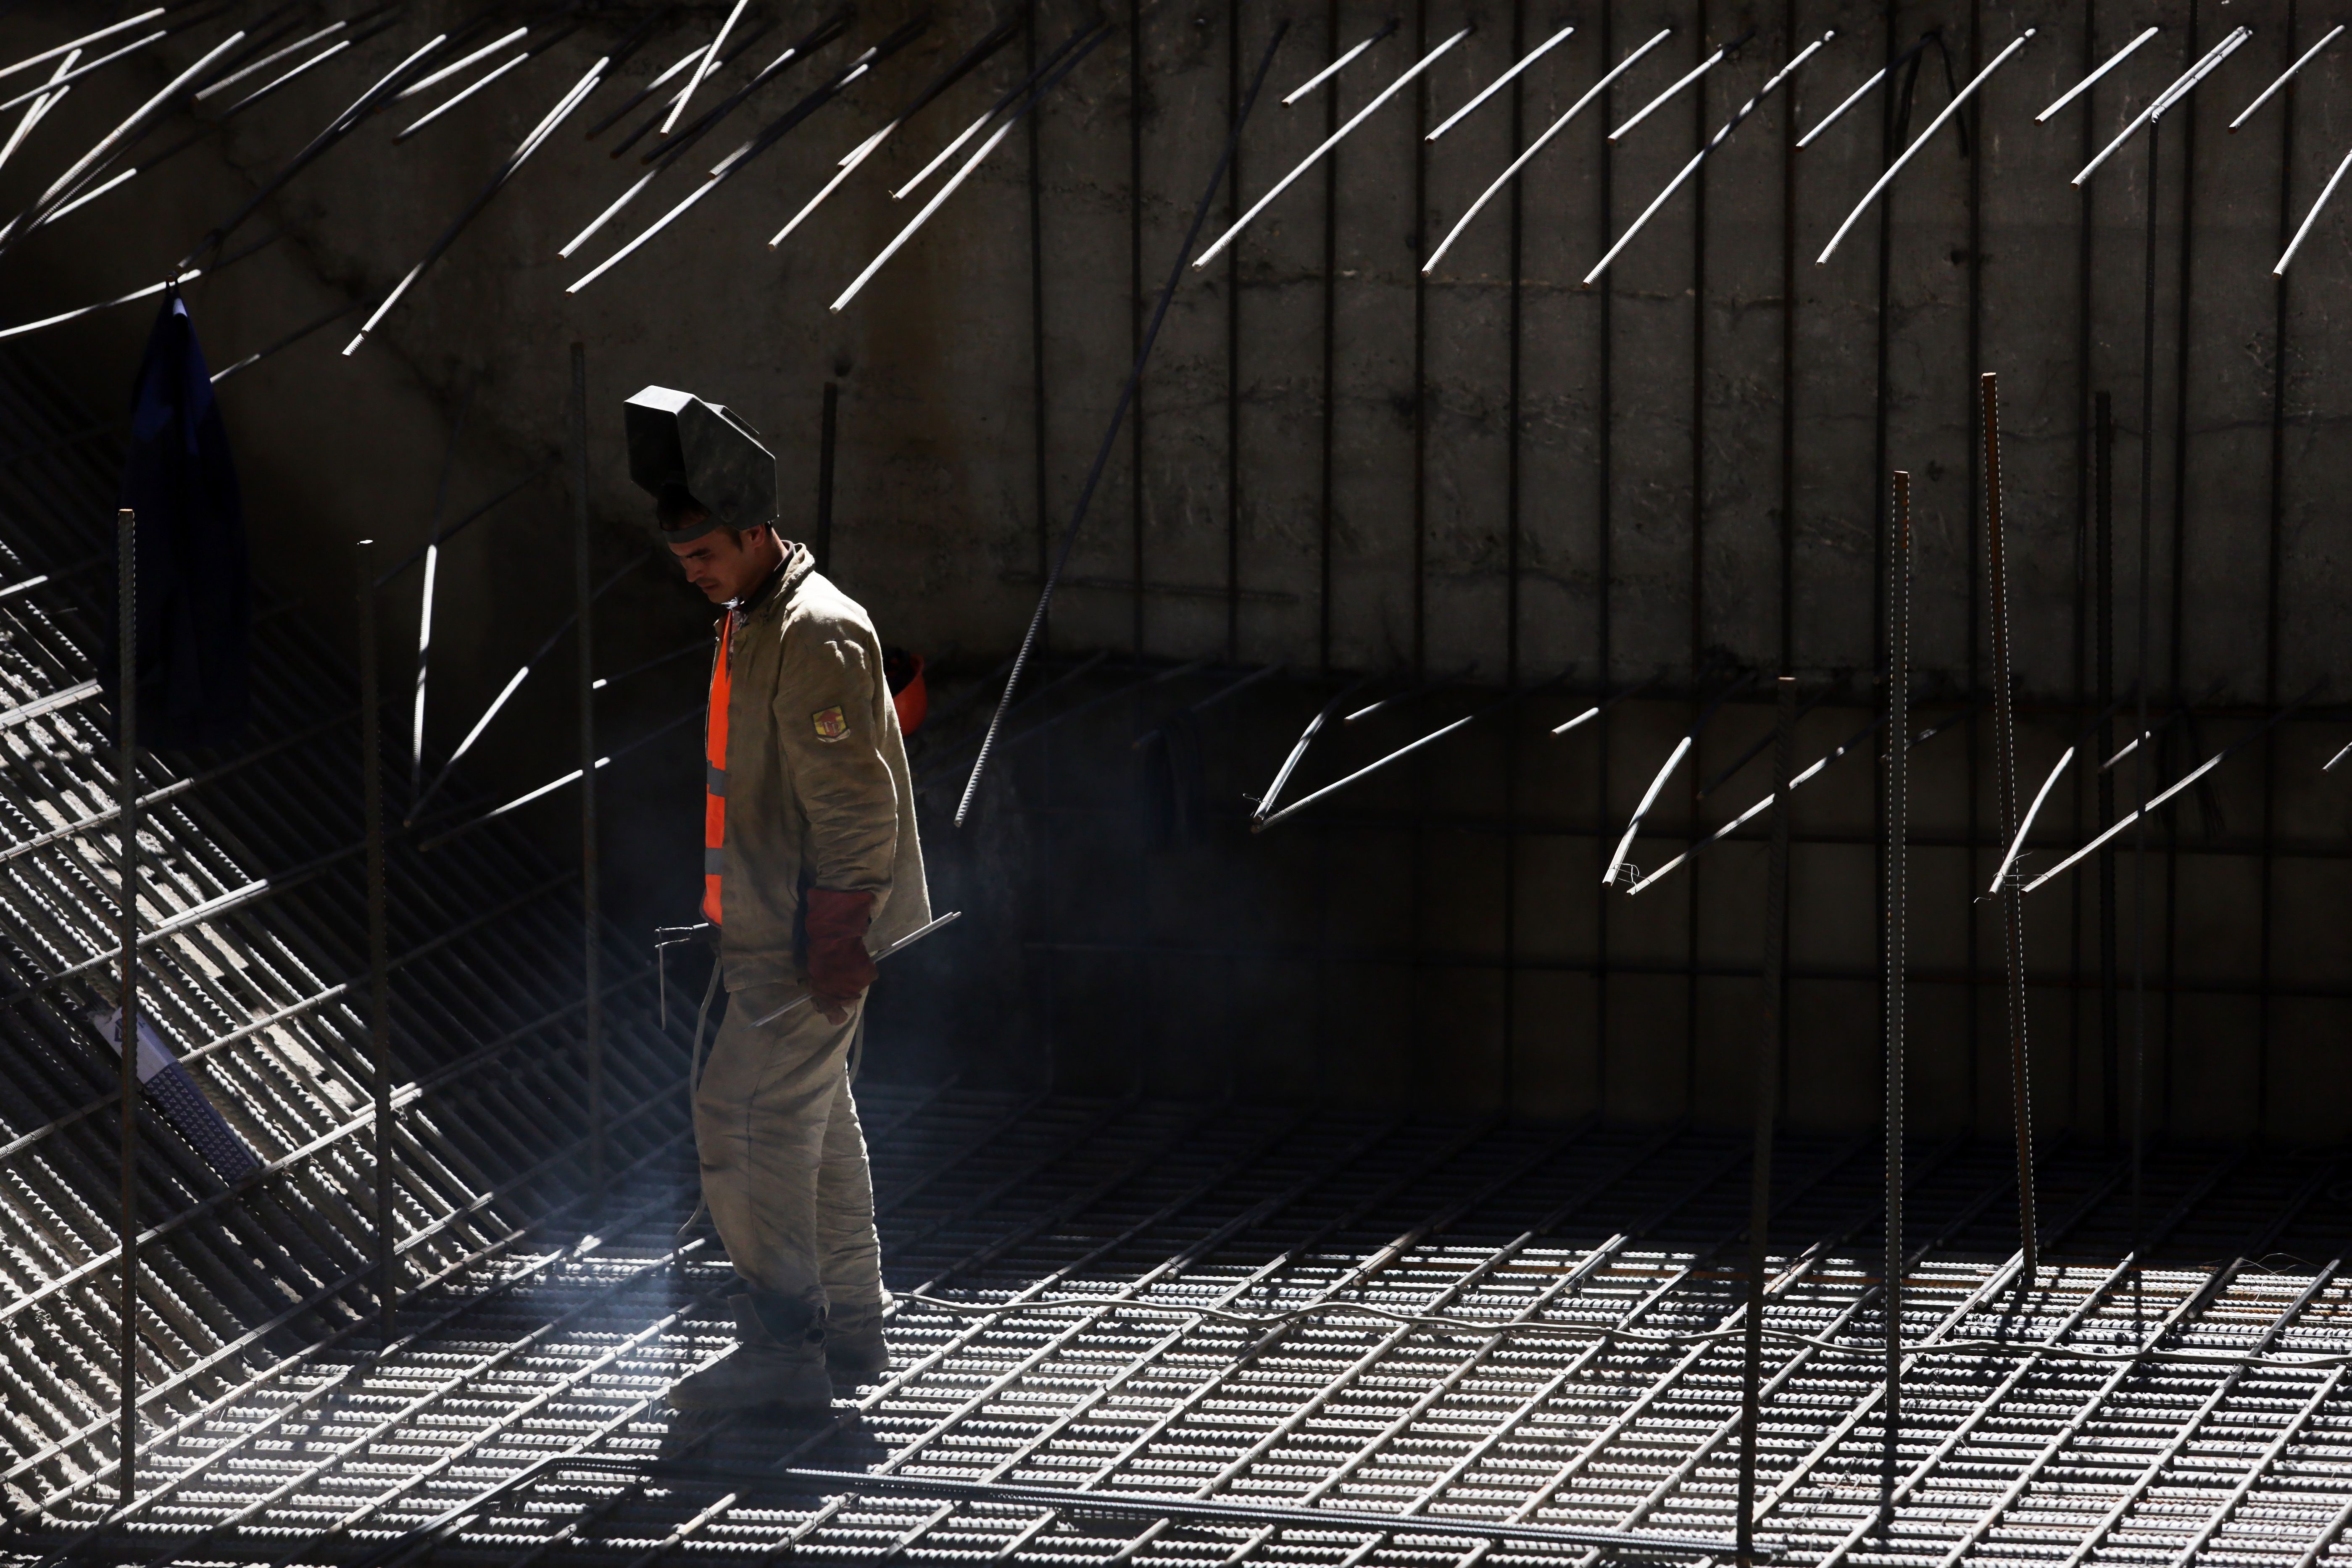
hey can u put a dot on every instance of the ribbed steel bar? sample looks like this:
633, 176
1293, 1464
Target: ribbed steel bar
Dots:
126, 1020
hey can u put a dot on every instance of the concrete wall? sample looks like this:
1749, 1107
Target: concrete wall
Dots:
1511, 476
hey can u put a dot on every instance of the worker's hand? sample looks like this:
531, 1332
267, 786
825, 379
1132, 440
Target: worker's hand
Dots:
839, 968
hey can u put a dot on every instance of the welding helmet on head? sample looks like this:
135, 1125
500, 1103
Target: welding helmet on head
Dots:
676, 441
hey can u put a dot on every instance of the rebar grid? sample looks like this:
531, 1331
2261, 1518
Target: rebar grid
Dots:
1139, 1205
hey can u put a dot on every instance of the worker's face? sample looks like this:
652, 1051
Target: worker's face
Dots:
727, 565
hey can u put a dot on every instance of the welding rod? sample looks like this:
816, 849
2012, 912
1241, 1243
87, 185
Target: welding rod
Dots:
1681, 82
2164, 99
1858, 94
497, 182
1878, 187
1118, 415
857, 155
1717, 139
2285, 77
2088, 82
2183, 782
1386, 93
901, 946
1335, 66
1012, 94
1500, 82
1523, 159
972, 164
736, 162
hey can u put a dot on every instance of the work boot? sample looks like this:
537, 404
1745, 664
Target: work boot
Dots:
854, 1352
784, 1374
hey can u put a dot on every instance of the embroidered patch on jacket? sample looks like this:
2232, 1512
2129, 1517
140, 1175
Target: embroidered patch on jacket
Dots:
831, 724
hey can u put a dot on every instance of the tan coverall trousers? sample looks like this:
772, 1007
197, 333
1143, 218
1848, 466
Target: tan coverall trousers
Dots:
784, 1158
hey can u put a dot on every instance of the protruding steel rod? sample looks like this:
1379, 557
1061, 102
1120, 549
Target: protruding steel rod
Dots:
1699, 157
735, 163
1895, 981
266, 61
1676, 88
2088, 82
591, 910
2041, 797
702, 66
1111, 437
1406, 78
1597, 709
972, 164
425, 601
1869, 83
2176, 787
1537, 145
62, 187
1335, 66
2302, 230
1765, 1072
1665, 771
387, 1281
1500, 82
1298, 753
32, 116
1012, 95
2285, 77
857, 155
77, 72
126, 1028
71, 44
1878, 187
455, 98
2179, 88
497, 182
2012, 910
424, 83
1259, 824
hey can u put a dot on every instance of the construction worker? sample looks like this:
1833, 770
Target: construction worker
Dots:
810, 859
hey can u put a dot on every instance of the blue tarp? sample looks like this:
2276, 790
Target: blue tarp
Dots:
195, 604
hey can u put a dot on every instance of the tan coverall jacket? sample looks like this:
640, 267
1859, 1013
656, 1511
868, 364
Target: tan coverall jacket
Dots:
818, 795
818, 792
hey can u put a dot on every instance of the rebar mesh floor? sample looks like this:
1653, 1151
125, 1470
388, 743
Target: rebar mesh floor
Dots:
521, 1421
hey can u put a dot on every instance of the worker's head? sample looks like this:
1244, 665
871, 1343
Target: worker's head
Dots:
725, 563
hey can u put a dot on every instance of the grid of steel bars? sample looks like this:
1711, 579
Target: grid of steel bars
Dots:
1082, 1239
252, 963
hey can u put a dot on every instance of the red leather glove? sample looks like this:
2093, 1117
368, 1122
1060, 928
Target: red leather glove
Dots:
839, 968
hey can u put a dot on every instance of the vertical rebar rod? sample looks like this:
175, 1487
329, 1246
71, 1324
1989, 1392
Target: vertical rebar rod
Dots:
379, 967
828, 435
1898, 791
591, 1015
1605, 513
2012, 909
1768, 1097
2110, 1002
126, 1028
2140, 751
2275, 536
1325, 519
1234, 348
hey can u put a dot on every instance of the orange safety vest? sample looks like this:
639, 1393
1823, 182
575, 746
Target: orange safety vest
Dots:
714, 789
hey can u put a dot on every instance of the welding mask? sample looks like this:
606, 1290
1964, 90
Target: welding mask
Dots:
703, 453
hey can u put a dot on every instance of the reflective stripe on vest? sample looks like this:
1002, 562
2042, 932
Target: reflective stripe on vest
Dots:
714, 797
